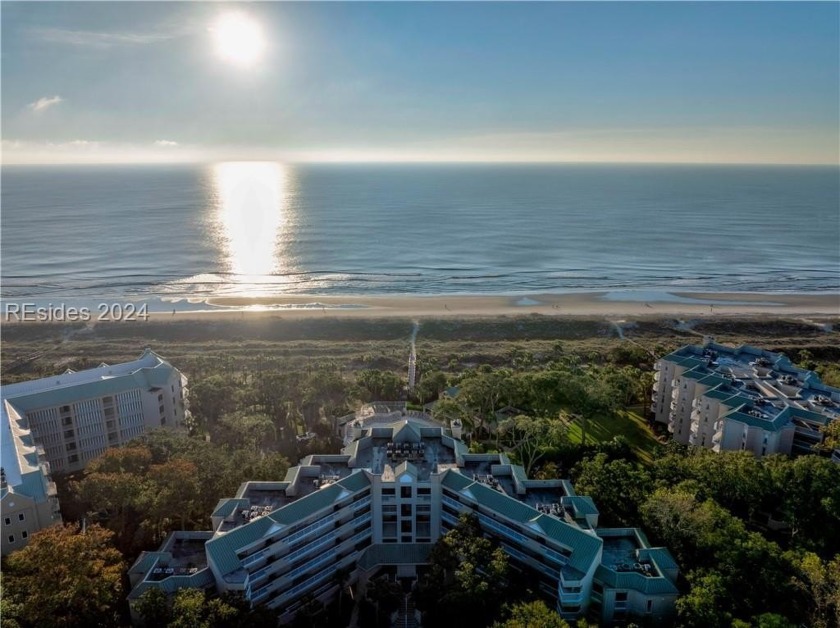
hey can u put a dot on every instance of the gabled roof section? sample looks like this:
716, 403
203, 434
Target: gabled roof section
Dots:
356, 481
227, 506
585, 547
405, 467
222, 548
499, 502
406, 434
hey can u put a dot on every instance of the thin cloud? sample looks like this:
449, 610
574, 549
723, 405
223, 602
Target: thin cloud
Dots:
98, 39
44, 103
165, 143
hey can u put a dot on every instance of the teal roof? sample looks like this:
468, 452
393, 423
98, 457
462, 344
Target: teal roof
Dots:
145, 562
226, 507
222, 549
584, 546
662, 557
455, 480
583, 504
499, 502
355, 481
772, 424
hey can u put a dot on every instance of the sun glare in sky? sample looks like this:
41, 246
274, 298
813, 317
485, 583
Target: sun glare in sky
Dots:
238, 39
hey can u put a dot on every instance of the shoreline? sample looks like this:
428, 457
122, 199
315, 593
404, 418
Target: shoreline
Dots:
642, 304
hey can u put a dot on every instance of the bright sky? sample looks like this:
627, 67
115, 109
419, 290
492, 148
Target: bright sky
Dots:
665, 82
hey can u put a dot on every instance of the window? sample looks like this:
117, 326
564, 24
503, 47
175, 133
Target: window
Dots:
424, 490
24, 535
405, 492
405, 510
11, 538
21, 516
389, 491
65, 408
650, 606
70, 447
8, 521
72, 459
406, 526
621, 596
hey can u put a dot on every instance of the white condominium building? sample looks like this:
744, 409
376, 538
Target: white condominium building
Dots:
742, 398
398, 485
28, 500
77, 415
60, 423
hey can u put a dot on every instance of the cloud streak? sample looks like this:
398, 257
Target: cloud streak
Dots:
99, 39
42, 104
165, 143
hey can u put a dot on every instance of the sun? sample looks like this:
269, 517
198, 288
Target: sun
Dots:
238, 39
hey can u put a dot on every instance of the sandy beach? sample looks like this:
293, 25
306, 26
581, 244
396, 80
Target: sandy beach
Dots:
616, 304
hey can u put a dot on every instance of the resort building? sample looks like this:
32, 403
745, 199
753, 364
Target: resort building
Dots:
742, 398
400, 482
76, 416
28, 500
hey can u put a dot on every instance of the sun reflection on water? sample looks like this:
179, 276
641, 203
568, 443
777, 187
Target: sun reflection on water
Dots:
252, 215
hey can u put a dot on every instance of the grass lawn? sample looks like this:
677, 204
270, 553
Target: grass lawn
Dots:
627, 423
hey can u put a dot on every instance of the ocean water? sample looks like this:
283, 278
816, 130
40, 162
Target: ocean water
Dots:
194, 232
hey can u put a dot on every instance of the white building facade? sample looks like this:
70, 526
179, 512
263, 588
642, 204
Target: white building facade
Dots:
742, 398
398, 485
78, 415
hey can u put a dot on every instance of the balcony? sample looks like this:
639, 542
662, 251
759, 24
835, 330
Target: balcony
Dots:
52, 489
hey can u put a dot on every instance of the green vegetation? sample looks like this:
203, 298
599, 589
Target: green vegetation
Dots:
625, 424
756, 540
193, 608
64, 577
467, 580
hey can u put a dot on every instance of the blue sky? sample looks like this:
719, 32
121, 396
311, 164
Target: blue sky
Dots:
682, 82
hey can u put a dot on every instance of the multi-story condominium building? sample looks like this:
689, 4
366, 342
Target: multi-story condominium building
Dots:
399, 484
725, 398
77, 415
28, 499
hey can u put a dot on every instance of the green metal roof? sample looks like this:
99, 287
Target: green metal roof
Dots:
222, 549
455, 480
583, 504
662, 557
355, 481
499, 502
584, 546
228, 506
145, 562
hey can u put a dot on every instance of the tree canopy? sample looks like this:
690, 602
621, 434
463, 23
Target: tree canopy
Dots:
65, 577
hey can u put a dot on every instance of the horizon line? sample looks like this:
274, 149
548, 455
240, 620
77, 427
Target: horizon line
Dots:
383, 162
